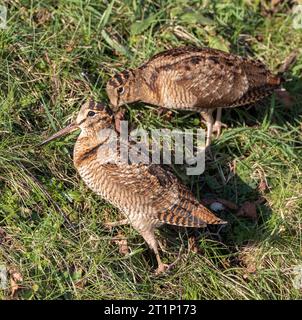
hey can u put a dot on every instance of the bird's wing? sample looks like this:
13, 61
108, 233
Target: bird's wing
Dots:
214, 80
161, 194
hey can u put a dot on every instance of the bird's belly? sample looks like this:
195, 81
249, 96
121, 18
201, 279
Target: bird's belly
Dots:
131, 205
182, 99
177, 99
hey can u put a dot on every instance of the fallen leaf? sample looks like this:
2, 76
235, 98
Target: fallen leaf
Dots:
259, 37
207, 201
42, 16
275, 2
168, 115
122, 243
289, 61
228, 204
15, 280
183, 34
262, 186
245, 276
70, 46
233, 166
251, 268
193, 245
16, 276
286, 99
260, 200
2, 235
14, 287
248, 210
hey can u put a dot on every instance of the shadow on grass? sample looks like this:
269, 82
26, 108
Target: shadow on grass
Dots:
278, 109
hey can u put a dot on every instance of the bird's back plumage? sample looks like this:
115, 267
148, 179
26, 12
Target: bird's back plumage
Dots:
204, 78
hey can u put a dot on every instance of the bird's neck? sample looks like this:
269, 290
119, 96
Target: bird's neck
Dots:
145, 91
92, 145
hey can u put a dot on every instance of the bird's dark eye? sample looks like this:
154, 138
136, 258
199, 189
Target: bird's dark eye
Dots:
91, 113
120, 90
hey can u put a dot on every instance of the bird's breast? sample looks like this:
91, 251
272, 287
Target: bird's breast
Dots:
106, 184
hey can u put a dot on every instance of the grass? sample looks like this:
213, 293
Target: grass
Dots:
56, 54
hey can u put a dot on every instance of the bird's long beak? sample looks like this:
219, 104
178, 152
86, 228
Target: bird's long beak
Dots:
70, 128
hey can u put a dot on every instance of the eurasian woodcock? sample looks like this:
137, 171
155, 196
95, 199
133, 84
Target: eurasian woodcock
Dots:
147, 194
195, 79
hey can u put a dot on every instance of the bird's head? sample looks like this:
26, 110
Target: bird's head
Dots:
92, 117
122, 88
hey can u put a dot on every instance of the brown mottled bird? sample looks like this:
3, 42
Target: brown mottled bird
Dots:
196, 79
147, 194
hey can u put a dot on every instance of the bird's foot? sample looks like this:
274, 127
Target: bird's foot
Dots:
217, 128
162, 246
165, 113
110, 225
209, 154
163, 268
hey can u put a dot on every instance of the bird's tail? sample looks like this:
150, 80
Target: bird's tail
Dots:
188, 212
275, 80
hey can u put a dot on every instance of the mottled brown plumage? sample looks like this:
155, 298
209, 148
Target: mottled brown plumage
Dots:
196, 79
148, 195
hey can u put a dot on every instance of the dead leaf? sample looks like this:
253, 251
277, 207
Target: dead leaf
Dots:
168, 116
80, 284
42, 16
262, 186
16, 276
14, 287
122, 243
15, 280
275, 2
193, 245
260, 200
286, 99
70, 46
248, 210
207, 201
289, 61
2, 235
245, 276
259, 37
183, 34
251, 268
232, 166
228, 204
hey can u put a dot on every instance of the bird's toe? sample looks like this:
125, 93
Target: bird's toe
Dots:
217, 128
